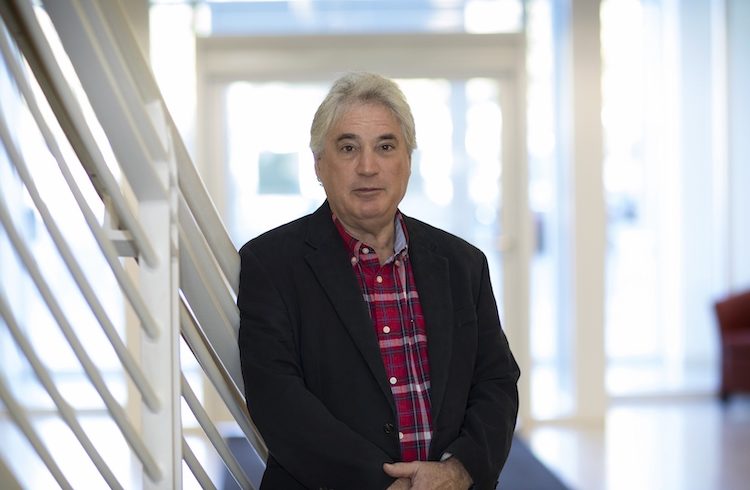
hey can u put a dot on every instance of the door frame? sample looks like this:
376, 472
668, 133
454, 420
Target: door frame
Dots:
223, 60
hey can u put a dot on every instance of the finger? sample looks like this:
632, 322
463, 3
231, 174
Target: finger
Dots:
398, 470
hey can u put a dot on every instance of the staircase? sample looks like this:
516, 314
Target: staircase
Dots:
89, 154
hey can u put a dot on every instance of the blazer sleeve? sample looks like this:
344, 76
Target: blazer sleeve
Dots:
302, 435
486, 435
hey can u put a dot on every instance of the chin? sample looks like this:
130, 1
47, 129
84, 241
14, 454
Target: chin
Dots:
369, 212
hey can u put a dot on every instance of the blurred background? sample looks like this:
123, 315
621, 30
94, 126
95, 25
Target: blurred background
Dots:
596, 151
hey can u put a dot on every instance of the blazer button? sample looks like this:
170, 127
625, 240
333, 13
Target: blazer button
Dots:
389, 428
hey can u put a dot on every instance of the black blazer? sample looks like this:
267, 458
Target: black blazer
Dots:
314, 380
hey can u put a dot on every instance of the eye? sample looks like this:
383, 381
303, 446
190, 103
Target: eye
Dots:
347, 148
387, 147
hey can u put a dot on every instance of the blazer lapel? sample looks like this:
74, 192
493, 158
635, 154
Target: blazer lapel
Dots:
330, 264
433, 281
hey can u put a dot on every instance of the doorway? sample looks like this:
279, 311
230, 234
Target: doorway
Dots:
256, 99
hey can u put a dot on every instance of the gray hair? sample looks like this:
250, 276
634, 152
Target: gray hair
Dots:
362, 88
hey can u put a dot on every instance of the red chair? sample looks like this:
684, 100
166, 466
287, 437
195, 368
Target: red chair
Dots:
733, 315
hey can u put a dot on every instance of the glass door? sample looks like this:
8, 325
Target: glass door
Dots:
456, 170
468, 173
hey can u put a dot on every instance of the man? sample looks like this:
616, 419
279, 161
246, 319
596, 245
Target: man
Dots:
371, 348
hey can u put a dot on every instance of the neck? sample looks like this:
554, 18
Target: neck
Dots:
380, 236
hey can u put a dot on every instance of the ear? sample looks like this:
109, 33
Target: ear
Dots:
317, 166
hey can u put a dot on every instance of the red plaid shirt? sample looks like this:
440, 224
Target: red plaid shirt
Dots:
391, 294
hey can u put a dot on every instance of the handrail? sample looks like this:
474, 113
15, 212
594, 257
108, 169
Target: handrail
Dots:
6, 476
205, 214
213, 435
89, 367
176, 234
207, 308
228, 391
23, 423
116, 102
67, 254
207, 262
21, 20
144, 315
66, 411
191, 186
196, 468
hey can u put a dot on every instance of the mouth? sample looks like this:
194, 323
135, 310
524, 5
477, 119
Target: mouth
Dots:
367, 190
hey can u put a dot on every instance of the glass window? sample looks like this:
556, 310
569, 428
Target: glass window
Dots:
29, 310
456, 170
551, 375
271, 170
658, 187
290, 17
28, 306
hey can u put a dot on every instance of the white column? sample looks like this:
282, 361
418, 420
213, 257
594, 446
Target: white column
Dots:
517, 240
162, 429
588, 223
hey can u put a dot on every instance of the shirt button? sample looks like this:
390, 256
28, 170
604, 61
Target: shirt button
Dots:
400, 435
393, 380
386, 329
388, 428
398, 263
354, 260
379, 279
365, 250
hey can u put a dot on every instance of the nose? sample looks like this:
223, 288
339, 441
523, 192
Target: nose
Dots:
367, 163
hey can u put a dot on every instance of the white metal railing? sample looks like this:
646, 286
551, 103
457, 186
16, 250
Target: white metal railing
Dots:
158, 213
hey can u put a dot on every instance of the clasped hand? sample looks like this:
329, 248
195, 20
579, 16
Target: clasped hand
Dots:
427, 475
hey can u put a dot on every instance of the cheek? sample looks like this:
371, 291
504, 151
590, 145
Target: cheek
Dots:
338, 182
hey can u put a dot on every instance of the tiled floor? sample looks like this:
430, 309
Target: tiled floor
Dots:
678, 444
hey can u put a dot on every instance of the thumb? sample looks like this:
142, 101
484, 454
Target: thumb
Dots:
399, 470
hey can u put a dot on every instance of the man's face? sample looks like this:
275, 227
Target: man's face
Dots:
364, 166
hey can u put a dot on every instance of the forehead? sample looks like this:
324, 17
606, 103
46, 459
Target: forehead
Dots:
365, 119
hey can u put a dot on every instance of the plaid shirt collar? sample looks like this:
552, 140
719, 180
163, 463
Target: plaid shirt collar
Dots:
400, 242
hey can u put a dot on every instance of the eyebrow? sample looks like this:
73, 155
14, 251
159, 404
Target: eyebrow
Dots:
346, 136
388, 136
352, 136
